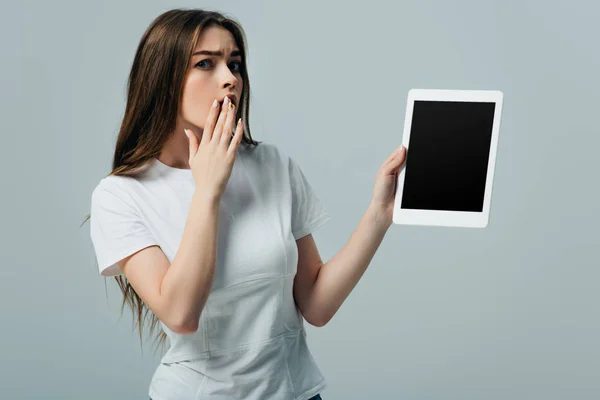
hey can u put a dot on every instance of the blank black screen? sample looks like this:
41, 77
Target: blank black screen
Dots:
448, 153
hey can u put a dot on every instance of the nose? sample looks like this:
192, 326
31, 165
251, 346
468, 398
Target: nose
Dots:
228, 79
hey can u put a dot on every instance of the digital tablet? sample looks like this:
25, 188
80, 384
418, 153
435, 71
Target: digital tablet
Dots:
451, 137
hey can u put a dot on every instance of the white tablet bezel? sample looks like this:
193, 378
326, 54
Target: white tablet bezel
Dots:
449, 218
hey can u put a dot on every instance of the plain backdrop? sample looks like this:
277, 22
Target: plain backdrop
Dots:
505, 312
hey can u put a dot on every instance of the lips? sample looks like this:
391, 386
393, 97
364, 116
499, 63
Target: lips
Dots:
231, 97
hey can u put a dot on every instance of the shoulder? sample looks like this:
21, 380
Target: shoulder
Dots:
112, 188
113, 183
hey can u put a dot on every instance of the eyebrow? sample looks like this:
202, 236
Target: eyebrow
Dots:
217, 53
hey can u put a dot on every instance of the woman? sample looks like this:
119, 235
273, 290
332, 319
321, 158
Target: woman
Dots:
210, 231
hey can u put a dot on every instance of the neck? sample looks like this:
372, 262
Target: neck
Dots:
176, 152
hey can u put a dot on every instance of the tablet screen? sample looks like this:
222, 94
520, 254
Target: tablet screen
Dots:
447, 161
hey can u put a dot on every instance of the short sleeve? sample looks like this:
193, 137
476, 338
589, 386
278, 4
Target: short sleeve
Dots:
116, 230
308, 212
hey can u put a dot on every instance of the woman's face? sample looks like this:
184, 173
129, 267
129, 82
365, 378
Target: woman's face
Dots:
214, 73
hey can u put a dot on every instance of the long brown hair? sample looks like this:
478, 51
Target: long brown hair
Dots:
154, 91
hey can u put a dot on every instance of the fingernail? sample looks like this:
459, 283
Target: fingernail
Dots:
215, 104
239, 121
186, 133
226, 101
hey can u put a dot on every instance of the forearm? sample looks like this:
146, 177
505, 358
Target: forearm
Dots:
187, 283
338, 276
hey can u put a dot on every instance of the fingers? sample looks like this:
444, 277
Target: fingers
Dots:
399, 160
211, 121
237, 138
398, 154
402, 154
216, 135
228, 126
391, 157
394, 161
192, 141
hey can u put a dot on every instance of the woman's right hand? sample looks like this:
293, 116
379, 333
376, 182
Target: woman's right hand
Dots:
211, 160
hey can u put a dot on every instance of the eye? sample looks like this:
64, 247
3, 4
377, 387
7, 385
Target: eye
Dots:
202, 63
237, 66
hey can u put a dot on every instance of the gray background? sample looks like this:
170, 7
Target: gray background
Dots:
506, 312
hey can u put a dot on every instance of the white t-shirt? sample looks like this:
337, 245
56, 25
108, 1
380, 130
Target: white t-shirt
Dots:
251, 341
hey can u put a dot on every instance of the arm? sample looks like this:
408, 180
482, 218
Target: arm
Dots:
177, 293
320, 289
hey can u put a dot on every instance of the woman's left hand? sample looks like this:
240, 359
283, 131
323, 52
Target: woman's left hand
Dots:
384, 192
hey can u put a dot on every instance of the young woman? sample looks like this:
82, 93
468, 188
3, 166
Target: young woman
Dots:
209, 231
